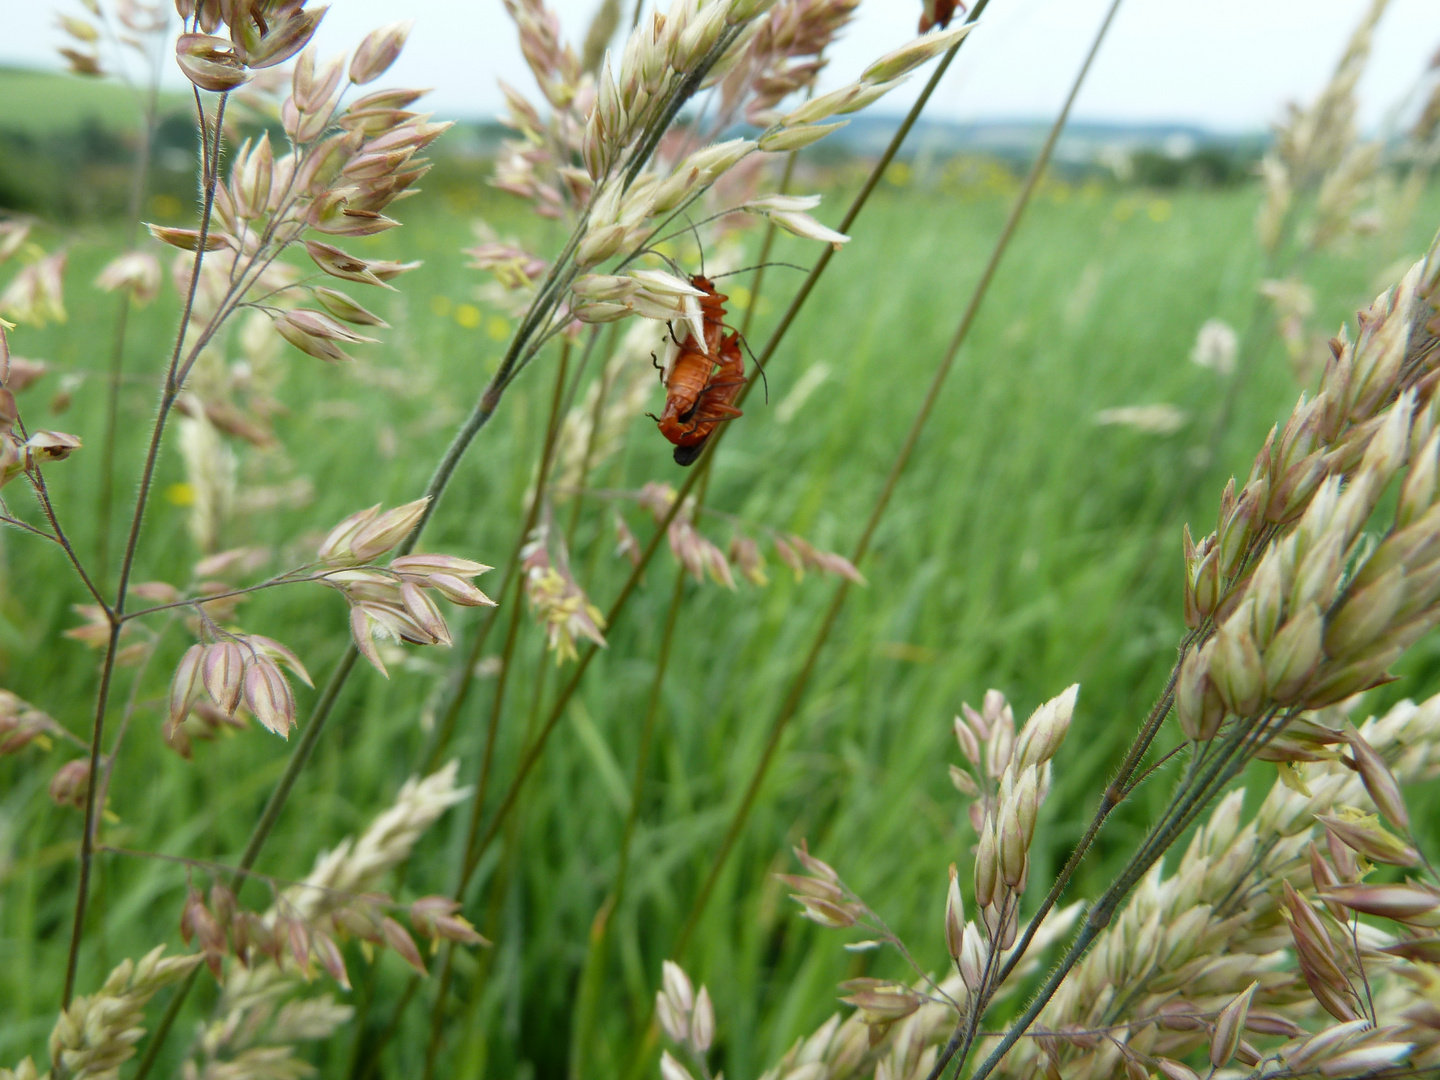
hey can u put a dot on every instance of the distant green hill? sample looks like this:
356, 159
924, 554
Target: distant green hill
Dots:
67, 144
39, 103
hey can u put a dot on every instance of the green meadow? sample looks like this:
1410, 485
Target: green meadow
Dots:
1026, 547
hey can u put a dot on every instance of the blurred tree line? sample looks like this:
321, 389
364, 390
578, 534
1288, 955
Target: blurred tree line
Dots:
67, 162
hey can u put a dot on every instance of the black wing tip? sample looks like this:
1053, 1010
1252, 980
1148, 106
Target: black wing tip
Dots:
687, 455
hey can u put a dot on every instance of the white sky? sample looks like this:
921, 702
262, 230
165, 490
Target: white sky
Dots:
1225, 64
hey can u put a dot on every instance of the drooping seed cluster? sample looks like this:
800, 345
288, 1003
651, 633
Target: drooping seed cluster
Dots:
230, 668
688, 1021
607, 158
702, 557
1308, 611
134, 272
556, 598
393, 602
1255, 937
1318, 176
82, 54
259, 1018
346, 165
347, 162
98, 1032
239, 667
22, 723
22, 451
783, 55
35, 295
1314, 140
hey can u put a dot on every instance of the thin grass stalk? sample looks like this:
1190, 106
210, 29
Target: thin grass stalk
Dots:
57, 534
139, 181
465, 676
501, 680
766, 245
467, 679
508, 859
533, 753
597, 955
977, 297
476, 847
1252, 345
856, 205
593, 969
131, 701
585, 461
517, 356
105, 499
568, 401
459, 695
702, 467
268, 819
115, 611
372, 1058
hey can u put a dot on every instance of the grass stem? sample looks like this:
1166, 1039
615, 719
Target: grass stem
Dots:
117, 609
793, 696
482, 782
139, 182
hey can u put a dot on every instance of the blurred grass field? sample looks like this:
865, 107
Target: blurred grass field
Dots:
1026, 548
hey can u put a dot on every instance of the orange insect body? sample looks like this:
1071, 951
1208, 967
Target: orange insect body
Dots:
938, 13
712, 311
703, 381
690, 373
714, 405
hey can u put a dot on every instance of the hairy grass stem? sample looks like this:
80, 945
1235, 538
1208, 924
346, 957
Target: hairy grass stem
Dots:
487, 758
211, 158
139, 183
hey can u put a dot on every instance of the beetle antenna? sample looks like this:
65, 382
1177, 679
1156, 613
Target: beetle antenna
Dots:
764, 379
679, 270
758, 266
698, 245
